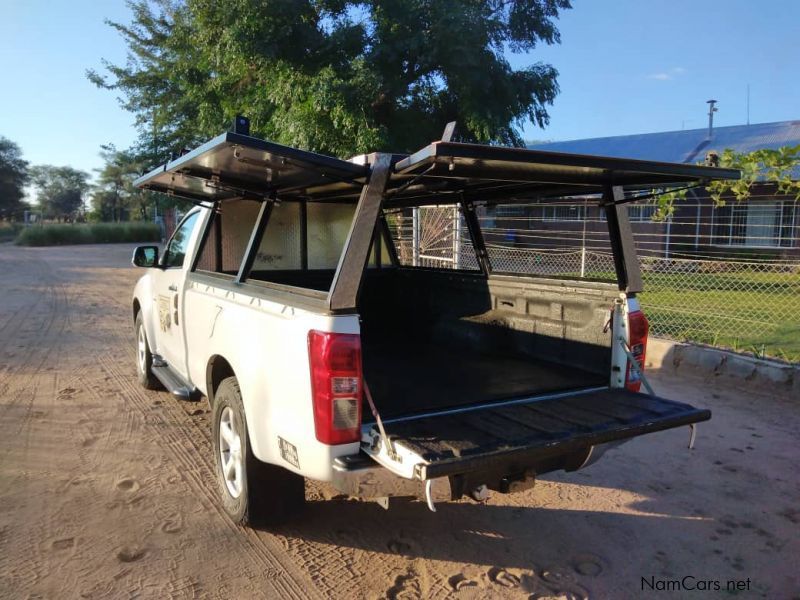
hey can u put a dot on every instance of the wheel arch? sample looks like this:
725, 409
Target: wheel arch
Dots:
217, 369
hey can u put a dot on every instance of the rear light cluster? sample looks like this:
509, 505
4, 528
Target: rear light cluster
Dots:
638, 328
336, 385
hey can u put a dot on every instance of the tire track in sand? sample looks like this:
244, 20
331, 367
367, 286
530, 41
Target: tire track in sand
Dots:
197, 467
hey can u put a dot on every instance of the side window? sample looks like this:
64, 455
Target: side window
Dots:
179, 243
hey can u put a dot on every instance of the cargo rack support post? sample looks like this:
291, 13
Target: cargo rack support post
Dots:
623, 247
355, 254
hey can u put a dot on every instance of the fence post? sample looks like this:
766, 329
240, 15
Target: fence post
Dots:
583, 238
415, 233
456, 237
583, 261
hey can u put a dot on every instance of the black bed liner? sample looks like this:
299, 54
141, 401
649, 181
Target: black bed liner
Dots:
466, 441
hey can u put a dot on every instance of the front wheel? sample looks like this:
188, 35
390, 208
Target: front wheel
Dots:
252, 492
144, 359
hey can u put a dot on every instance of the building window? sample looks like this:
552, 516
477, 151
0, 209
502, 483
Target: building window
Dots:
641, 213
565, 212
754, 224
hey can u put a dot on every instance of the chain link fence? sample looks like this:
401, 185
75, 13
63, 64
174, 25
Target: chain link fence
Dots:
700, 284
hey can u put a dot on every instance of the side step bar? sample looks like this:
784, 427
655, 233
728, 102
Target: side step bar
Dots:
174, 383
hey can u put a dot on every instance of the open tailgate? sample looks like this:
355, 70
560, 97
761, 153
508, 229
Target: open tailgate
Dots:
520, 433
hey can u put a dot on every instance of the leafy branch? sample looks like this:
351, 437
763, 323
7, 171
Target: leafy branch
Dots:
765, 166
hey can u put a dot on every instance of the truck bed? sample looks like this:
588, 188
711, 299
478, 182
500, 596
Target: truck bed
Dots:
407, 378
433, 340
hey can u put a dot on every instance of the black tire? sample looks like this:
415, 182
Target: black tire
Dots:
268, 494
144, 364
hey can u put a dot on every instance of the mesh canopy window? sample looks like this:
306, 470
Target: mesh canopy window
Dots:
328, 227
281, 245
227, 237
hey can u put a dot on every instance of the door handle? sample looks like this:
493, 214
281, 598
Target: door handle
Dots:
173, 288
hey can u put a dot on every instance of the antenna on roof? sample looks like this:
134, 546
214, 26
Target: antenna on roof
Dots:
711, 110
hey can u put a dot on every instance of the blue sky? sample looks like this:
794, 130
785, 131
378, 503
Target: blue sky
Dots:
627, 66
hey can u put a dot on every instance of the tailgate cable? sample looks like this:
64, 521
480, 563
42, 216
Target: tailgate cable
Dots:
389, 448
635, 366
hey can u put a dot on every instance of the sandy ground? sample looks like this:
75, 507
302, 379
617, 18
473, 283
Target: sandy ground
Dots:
106, 490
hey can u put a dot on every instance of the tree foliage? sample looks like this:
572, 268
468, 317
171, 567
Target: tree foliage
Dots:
114, 197
334, 76
778, 167
59, 190
13, 177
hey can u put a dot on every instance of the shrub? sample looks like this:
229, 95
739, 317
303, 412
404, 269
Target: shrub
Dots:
93, 233
9, 231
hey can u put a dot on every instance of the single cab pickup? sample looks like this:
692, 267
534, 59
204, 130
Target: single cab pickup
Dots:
327, 351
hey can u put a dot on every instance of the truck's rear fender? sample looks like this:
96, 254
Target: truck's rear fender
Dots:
264, 344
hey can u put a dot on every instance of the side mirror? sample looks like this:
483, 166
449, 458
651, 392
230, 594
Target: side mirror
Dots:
145, 256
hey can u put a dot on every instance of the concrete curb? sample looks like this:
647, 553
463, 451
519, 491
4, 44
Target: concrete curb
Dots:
669, 355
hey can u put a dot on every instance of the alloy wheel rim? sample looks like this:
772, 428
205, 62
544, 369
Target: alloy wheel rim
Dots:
230, 452
141, 344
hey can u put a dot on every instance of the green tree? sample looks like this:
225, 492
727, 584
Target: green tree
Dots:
334, 76
115, 196
13, 177
60, 190
778, 167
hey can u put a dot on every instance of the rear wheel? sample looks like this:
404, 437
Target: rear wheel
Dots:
252, 492
144, 359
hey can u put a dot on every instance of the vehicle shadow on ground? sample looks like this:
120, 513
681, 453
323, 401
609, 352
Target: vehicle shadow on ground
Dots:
482, 534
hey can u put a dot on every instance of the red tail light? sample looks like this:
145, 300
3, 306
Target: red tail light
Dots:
336, 385
638, 328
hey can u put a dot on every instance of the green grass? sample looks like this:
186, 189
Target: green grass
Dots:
9, 231
94, 233
747, 312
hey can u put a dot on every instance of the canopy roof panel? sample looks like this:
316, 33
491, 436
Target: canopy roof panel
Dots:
233, 165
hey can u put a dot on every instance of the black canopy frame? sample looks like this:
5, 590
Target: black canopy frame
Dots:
233, 165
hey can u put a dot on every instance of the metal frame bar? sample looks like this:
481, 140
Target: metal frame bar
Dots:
376, 245
651, 171
476, 235
355, 255
255, 241
304, 235
387, 236
204, 239
216, 216
626, 264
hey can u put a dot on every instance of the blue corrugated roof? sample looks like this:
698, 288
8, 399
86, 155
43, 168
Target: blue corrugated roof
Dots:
688, 146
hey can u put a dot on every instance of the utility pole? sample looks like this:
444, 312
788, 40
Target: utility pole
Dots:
748, 104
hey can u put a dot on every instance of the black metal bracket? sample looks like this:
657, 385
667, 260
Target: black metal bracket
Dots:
475, 233
355, 255
387, 237
255, 240
623, 247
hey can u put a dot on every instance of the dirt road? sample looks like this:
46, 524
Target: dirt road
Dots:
107, 490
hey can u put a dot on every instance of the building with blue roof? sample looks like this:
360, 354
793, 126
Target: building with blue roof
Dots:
765, 226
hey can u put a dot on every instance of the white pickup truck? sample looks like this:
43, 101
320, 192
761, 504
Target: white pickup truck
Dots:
326, 353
